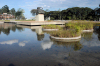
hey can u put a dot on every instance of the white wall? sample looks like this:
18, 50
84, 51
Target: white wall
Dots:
40, 17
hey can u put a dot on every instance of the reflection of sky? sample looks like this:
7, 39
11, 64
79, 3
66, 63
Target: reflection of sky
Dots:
93, 42
46, 44
23, 43
10, 42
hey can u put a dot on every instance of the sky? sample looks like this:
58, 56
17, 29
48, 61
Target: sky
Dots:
52, 5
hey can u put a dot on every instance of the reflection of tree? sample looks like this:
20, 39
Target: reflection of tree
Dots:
75, 45
13, 28
97, 30
40, 37
0, 30
20, 28
87, 36
6, 31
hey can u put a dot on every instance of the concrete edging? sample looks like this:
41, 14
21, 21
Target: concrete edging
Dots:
72, 38
50, 29
87, 30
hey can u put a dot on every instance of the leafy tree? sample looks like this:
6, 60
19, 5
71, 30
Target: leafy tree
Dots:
0, 11
19, 14
12, 11
5, 9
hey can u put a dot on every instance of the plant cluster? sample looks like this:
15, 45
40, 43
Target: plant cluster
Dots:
51, 26
79, 25
65, 33
73, 29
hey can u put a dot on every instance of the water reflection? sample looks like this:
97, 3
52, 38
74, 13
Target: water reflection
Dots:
75, 45
46, 44
97, 31
88, 35
91, 43
37, 29
5, 28
40, 37
9, 42
33, 50
23, 43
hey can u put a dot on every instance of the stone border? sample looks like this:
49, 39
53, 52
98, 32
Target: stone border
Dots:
87, 30
66, 38
50, 29
72, 39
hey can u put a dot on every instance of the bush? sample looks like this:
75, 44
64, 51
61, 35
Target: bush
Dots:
65, 33
84, 25
51, 26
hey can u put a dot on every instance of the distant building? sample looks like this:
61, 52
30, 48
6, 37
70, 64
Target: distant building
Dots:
6, 16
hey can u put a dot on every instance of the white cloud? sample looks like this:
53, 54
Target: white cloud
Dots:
23, 43
10, 42
56, 4
46, 44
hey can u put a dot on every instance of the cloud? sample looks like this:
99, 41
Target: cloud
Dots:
10, 42
57, 4
46, 44
23, 43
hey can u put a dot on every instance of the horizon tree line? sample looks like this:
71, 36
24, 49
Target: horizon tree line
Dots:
74, 13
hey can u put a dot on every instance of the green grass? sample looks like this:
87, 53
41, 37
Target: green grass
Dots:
5, 20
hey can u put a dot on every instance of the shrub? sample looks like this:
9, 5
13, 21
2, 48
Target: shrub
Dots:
51, 26
65, 33
84, 25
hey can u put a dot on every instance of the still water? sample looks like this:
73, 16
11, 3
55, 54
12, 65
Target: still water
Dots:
25, 46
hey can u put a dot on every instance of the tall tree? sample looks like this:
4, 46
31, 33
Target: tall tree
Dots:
12, 11
0, 11
5, 9
19, 14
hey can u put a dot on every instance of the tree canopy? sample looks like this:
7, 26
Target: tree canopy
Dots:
74, 13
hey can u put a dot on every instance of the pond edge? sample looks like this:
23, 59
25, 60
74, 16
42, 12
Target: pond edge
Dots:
50, 29
71, 38
91, 30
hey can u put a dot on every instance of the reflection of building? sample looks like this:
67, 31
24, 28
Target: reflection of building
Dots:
6, 16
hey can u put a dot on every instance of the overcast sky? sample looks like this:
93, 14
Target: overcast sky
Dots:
27, 5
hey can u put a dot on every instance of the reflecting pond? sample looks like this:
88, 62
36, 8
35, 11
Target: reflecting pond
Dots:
29, 46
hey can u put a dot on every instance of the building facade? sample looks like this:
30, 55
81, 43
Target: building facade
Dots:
6, 16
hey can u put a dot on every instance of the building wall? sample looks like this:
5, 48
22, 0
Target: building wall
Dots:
6, 16
40, 17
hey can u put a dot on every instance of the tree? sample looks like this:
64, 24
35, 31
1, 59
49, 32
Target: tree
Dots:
19, 14
0, 11
5, 9
12, 11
